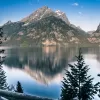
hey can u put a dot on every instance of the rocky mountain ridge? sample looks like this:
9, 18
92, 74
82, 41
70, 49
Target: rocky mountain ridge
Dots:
44, 27
43, 13
94, 36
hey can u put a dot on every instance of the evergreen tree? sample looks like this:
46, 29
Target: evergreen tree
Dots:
77, 85
99, 87
3, 84
19, 88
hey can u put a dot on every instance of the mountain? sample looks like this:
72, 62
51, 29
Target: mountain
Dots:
94, 37
43, 13
90, 32
98, 29
43, 27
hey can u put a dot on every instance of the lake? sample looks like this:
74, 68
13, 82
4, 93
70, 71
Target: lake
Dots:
41, 69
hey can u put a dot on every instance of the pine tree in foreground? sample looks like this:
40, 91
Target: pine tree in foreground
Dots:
99, 88
19, 88
77, 85
3, 84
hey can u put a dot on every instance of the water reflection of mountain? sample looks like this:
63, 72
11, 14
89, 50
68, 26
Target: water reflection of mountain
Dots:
40, 77
49, 60
46, 62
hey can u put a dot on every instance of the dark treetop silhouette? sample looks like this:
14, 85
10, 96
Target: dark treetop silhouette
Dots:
78, 85
19, 88
3, 84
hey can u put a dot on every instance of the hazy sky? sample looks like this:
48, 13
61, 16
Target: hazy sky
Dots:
83, 13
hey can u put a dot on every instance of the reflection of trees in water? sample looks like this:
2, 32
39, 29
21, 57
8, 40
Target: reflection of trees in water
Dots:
49, 64
48, 60
13, 62
92, 51
95, 51
48, 67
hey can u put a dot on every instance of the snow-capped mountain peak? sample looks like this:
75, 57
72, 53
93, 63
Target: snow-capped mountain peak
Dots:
43, 13
58, 12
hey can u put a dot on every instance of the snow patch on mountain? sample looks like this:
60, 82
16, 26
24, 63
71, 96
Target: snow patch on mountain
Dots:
58, 12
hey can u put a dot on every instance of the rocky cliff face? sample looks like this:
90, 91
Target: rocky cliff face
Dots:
94, 36
98, 29
62, 15
43, 13
37, 15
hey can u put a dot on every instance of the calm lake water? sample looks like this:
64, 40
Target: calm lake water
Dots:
41, 69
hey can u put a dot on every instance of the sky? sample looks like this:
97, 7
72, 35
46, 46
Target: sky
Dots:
83, 13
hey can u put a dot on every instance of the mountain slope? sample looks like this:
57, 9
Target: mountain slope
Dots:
43, 27
43, 13
94, 37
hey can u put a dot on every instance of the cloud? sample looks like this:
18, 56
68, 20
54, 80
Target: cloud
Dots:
80, 13
75, 4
